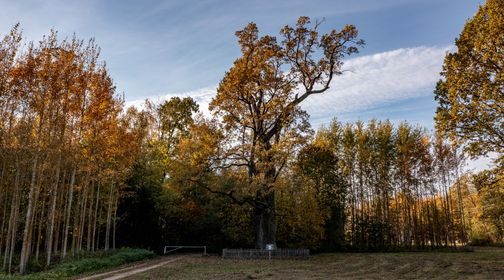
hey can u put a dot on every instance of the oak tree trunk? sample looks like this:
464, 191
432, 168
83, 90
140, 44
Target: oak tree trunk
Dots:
265, 221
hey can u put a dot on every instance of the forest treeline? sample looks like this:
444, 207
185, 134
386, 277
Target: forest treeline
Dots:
355, 186
65, 151
80, 172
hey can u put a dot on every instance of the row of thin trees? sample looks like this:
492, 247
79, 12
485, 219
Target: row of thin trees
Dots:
64, 150
401, 185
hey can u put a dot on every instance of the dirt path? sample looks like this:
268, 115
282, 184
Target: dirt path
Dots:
128, 271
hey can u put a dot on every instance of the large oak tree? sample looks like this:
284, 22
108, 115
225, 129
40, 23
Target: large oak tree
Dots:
258, 100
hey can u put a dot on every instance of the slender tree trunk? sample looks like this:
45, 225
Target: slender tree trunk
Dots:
99, 225
52, 214
90, 218
3, 199
82, 218
460, 204
114, 222
33, 244
68, 212
39, 228
353, 204
25, 249
95, 217
59, 215
429, 224
109, 218
13, 235
13, 221
76, 221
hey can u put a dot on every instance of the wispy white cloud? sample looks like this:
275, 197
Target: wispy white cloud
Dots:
369, 81
202, 96
377, 79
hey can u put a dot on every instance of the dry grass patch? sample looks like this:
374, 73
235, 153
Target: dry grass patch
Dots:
481, 264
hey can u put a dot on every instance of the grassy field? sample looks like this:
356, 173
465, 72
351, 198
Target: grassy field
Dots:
87, 263
481, 264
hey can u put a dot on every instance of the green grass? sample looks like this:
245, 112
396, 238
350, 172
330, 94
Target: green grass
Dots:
86, 263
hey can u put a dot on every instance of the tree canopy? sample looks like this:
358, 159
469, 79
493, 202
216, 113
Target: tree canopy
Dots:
471, 94
258, 100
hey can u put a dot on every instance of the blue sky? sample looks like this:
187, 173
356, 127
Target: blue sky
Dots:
157, 49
